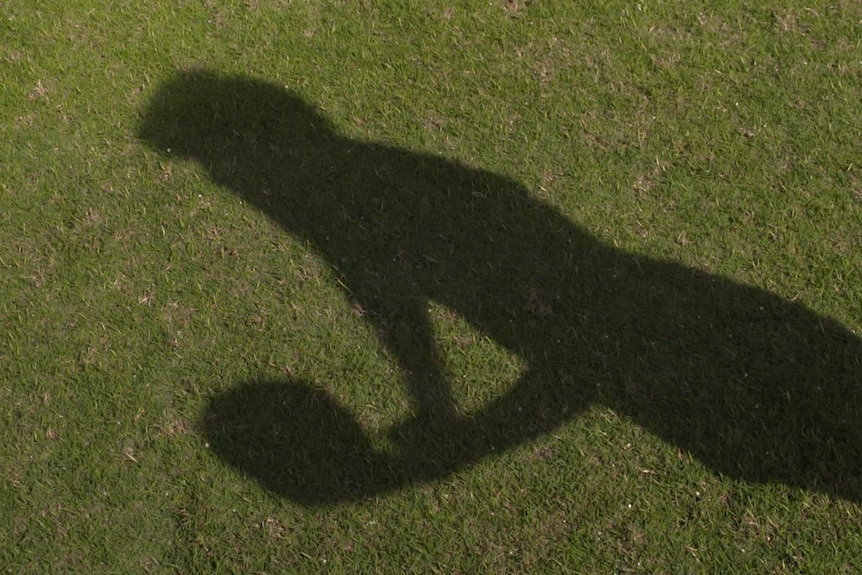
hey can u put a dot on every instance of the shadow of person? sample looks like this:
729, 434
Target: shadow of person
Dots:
755, 387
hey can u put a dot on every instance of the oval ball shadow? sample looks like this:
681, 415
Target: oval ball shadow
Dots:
296, 441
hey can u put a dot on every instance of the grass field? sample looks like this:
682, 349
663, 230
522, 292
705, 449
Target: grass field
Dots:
487, 287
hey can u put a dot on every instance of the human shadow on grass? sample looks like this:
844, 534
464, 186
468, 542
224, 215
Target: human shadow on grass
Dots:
755, 387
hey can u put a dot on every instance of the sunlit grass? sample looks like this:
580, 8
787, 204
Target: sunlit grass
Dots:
135, 292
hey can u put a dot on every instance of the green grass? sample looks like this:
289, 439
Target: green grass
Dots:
494, 287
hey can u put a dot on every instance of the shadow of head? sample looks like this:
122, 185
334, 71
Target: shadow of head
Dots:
201, 115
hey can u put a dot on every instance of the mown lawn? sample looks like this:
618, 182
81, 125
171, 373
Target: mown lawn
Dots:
487, 287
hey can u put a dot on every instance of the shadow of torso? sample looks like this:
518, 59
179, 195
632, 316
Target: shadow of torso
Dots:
754, 386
